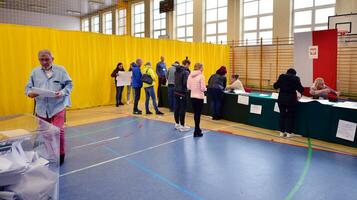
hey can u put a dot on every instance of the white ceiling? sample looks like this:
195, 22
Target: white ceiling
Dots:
58, 7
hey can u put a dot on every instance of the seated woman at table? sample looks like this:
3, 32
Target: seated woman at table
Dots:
236, 84
320, 89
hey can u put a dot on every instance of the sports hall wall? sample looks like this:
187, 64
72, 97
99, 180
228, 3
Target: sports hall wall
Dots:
89, 59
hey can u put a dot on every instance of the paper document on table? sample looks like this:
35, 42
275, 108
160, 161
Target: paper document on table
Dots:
346, 130
346, 104
305, 99
276, 108
242, 99
43, 92
324, 101
124, 78
256, 109
239, 92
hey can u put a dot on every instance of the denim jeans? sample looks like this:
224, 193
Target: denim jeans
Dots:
119, 94
217, 100
150, 93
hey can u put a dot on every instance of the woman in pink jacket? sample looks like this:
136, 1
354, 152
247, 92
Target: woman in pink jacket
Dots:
196, 83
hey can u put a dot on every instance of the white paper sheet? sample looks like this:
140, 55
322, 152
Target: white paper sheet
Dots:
43, 92
346, 130
242, 99
124, 78
324, 102
274, 95
276, 108
346, 104
256, 109
5, 164
239, 92
306, 100
205, 99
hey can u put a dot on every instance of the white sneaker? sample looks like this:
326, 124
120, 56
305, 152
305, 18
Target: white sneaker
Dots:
184, 128
282, 134
177, 126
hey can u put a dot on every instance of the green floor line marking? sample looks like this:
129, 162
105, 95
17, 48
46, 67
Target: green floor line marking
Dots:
304, 173
104, 129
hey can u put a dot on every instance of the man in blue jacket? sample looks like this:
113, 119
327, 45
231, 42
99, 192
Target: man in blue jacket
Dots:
137, 84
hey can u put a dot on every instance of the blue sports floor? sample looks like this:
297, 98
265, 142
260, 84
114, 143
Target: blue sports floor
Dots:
134, 158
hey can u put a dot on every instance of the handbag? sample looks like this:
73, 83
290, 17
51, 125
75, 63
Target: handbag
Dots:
146, 78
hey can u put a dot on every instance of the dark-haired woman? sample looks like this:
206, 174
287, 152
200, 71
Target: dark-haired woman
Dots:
216, 86
114, 74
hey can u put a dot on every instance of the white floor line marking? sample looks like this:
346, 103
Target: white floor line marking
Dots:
124, 156
93, 143
134, 153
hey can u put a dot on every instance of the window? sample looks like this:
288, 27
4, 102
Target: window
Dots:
85, 25
310, 15
121, 22
108, 23
159, 20
139, 20
184, 20
257, 21
216, 21
95, 24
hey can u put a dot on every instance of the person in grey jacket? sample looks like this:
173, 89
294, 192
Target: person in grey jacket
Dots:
170, 76
216, 85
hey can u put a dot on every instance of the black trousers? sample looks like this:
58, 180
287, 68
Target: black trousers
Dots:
197, 105
162, 81
136, 98
180, 109
287, 116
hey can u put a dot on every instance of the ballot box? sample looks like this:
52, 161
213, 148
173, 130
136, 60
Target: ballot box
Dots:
29, 158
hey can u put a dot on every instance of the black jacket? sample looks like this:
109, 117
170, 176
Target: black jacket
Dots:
288, 85
217, 81
181, 76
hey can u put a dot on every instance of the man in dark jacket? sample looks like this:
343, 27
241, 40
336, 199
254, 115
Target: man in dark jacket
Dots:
288, 84
181, 76
137, 84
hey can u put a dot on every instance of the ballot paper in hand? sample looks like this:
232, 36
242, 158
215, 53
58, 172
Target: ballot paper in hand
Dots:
43, 92
205, 99
124, 78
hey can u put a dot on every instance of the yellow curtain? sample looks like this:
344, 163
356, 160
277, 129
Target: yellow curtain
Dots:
89, 59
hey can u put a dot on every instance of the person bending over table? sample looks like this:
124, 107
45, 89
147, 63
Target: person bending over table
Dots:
288, 84
236, 84
320, 89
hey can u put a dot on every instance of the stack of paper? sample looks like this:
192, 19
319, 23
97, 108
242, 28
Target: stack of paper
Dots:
43, 92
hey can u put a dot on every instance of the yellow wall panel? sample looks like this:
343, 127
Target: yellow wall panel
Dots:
89, 58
